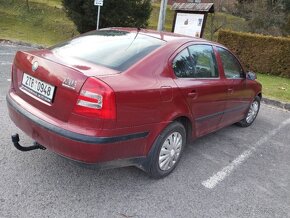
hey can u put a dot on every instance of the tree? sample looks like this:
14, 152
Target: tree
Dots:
264, 16
286, 27
286, 4
124, 13
27, 5
216, 23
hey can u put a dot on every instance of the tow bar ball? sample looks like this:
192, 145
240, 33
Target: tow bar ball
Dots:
15, 140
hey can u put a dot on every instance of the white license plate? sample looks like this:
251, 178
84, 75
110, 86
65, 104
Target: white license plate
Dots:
37, 87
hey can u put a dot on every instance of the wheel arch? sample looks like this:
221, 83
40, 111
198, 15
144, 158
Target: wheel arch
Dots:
188, 125
186, 122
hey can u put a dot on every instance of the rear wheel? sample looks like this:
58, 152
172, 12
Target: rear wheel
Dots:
169, 148
252, 113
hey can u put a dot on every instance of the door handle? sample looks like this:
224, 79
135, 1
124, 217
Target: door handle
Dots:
192, 94
231, 90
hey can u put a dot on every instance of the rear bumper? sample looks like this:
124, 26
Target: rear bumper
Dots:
76, 146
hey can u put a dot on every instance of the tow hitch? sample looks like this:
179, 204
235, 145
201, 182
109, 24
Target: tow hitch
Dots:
15, 140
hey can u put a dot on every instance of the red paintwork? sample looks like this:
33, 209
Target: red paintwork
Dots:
148, 98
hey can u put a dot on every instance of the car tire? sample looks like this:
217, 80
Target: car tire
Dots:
168, 150
251, 114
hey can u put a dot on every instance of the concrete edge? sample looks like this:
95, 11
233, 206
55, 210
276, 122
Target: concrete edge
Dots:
14, 42
276, 103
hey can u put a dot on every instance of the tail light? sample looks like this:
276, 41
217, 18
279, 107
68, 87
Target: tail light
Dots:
96, 99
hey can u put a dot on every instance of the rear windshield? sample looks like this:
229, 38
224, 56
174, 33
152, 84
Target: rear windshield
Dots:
110, 48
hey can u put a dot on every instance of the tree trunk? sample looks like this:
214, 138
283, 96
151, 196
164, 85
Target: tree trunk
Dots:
27, 5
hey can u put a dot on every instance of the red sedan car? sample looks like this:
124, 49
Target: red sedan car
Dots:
128, 96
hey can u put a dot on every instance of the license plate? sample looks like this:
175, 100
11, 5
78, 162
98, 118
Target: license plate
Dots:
37, 87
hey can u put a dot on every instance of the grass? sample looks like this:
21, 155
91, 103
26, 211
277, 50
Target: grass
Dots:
213, 20
153, 21
44, 24
275, 87
51, 3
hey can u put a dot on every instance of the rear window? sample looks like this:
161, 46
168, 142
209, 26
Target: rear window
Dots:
110, 48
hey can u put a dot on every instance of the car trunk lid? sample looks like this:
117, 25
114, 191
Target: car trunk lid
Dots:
50, 83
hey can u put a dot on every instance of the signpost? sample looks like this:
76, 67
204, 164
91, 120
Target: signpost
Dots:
190, 18
98, 3
189, 24
162, 15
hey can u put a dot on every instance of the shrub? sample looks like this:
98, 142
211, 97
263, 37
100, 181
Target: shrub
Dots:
259, 53
114, 13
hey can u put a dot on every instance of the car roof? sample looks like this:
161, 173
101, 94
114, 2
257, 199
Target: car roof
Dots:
165, 36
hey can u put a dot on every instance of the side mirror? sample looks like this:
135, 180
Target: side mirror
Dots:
251, 75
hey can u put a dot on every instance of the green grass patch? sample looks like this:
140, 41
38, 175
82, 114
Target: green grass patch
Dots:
227, 21
275, 87
213, 20
153, 21
51, 3
45, 22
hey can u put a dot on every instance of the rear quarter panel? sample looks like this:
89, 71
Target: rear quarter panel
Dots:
146, 95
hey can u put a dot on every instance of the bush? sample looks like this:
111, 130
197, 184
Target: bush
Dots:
259, 53
114, 13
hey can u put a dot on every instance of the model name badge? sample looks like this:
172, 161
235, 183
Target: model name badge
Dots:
69, 83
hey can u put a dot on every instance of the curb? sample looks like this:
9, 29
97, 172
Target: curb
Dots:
283, 105
12, 42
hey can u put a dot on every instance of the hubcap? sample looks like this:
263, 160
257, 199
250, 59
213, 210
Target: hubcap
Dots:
170, 151
252, 112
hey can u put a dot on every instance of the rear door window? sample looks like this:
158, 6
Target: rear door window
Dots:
204, 61
196, 61
182, 64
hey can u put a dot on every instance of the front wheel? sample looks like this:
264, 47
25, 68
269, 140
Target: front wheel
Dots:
252, 113
169, 148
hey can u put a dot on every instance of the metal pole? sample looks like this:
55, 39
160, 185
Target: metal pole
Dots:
98, 19
162, 15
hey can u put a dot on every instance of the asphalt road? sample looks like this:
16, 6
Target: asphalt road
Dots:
235, 172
